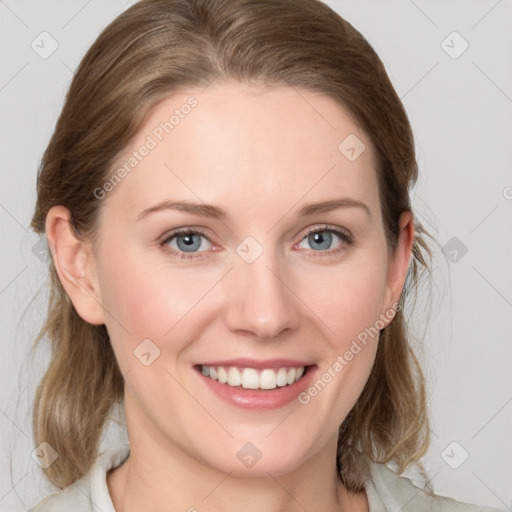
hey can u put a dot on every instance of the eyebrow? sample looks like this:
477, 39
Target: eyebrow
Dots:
208, 210
327, 206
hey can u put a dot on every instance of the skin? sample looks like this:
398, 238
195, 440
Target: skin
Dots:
294, 301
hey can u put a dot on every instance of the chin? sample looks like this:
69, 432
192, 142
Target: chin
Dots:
248, 459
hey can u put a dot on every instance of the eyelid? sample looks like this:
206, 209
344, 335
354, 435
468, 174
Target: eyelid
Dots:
182, 231
344, 234
327, 227
165, 239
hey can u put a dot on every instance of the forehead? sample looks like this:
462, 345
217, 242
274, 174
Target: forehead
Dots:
251, 145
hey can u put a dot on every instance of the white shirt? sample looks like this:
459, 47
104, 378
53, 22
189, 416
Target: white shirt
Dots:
386, 491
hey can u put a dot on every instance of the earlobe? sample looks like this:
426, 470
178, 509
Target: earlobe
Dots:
75, 265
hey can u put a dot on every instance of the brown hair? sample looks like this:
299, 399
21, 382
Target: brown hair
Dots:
152, 49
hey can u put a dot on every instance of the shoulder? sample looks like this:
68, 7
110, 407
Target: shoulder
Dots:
389, 492
90, 493
71, 499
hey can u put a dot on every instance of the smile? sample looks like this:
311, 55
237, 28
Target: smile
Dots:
251, 378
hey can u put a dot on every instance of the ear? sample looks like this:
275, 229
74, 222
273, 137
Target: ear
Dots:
399, 261
75, 264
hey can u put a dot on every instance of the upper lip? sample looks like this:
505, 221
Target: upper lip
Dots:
257, 363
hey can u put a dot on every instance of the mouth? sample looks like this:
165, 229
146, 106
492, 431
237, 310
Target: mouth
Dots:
250, 378
256, 384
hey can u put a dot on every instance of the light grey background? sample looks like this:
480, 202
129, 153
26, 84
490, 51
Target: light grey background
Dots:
461, 112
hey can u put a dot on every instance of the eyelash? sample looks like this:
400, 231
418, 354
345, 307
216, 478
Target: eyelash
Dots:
345, 237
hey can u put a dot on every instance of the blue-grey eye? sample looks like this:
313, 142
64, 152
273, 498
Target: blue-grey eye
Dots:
322, 240
189, 242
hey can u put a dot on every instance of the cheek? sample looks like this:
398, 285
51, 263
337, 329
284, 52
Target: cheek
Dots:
348, 310
152, 300
347, 299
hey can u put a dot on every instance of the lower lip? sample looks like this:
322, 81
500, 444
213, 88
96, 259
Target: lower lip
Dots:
259, 399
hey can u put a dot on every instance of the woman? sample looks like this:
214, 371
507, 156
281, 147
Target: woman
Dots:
226, 200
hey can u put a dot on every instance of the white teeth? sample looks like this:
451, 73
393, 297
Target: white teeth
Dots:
234, 377
282, 377
222, 375
268, 379
291, 375
250, 378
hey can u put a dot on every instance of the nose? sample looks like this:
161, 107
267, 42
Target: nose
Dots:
262, 301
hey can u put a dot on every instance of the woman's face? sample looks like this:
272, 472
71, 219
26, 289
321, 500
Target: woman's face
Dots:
245, 242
